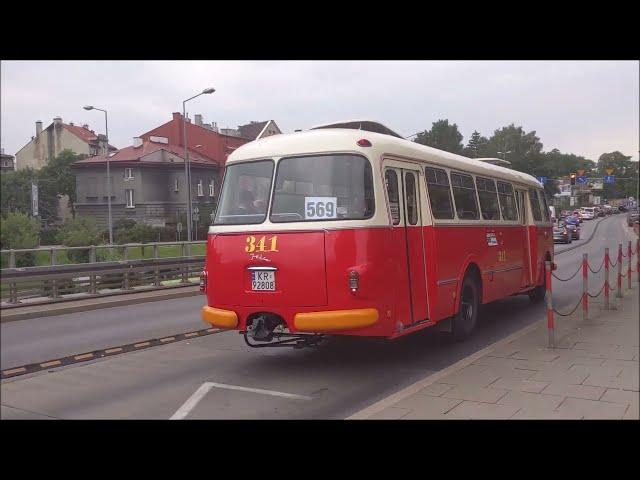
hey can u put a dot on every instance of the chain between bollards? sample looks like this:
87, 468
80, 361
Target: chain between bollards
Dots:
585, 286
550, 322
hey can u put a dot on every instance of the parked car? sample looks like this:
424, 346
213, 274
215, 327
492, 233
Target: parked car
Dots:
561, 233
633, 216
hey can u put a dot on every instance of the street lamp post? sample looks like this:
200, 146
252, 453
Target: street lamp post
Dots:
187, 164
106, 133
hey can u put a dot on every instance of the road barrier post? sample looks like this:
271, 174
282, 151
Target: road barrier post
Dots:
13, 291
92, 277
619, 292
629, 265
585, 286
185, 273
638, 259
550, 323
54, 283
606, 278
126, 274
156, 271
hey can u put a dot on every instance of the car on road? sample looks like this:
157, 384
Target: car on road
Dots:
573, 225
633, 216
588, 213
561, 234
578, 213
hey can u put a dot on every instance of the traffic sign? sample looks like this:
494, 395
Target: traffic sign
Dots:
582, 180
179, 227
542, 180
609, 179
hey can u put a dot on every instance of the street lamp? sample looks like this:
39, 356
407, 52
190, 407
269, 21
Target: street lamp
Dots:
187, 164
106, 133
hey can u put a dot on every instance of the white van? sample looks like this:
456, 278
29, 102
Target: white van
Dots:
589, 213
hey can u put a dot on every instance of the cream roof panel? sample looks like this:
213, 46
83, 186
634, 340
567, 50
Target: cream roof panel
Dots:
344, 140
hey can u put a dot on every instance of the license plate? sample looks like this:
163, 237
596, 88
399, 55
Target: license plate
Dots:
263, 281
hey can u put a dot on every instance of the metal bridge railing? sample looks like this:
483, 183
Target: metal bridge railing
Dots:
45, 284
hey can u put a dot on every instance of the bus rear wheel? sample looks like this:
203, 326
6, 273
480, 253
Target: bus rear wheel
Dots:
464, 322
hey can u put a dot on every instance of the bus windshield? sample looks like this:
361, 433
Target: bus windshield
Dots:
323, 187
245, 193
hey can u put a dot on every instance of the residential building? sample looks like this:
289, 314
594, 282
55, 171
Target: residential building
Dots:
7, 163
147, 184
58, 136
147, 178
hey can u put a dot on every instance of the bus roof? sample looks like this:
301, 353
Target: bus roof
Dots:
325, 140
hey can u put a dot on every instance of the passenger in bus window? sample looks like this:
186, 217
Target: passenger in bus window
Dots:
246, 204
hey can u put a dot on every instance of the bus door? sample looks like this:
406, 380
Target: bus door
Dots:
404, 193
527, 280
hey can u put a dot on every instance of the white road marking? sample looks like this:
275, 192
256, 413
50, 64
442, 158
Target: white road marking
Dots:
194, 399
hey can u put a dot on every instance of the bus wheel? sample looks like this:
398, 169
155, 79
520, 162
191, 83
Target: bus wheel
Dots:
464, 322
537, 294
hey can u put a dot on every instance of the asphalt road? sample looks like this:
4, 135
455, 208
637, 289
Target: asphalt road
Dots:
336, 379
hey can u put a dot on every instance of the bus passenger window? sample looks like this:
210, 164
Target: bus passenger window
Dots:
535, 205
488, 198
439, 193
412, 202
507, 201
545, 206
464, 194
391, 181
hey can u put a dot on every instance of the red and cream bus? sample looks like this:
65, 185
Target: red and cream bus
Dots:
350, 229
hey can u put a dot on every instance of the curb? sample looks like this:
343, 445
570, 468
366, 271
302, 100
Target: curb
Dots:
49, 310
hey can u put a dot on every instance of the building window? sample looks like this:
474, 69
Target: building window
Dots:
129, 196
200, 194
128, 173
211, 191
175, 185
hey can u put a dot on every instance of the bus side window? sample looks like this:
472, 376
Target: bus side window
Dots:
439, 193
535, 205
412, 198
545, 206
507, 201
464, 194
488, 198
391, 182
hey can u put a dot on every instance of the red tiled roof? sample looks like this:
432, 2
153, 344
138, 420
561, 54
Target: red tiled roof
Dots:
84, 134
134, 154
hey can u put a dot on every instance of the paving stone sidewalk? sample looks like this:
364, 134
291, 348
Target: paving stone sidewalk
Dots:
591, 374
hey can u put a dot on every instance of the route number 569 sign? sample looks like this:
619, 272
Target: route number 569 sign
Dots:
316, 208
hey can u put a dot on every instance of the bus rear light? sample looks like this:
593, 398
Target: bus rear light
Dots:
203, 281
363, 142
354, 281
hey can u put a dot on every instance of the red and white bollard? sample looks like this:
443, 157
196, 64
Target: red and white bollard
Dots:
550, 323
585, 286
619, 292
629, 265
606, 278
638, 259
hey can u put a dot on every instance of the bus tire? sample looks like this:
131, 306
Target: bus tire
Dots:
464, 322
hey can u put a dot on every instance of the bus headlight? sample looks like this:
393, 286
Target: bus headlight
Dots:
354, 281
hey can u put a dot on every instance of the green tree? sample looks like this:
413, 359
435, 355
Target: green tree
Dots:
442, 136
524, 148
476, 146
57, 177
18, 230
79, 232
15, 195
625, 172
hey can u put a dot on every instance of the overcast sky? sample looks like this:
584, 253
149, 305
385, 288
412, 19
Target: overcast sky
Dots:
586, 108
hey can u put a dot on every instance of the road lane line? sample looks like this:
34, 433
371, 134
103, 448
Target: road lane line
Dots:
142, 344
113, 350
14, 370
192, 334
167, 339
191, 403
194, 399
